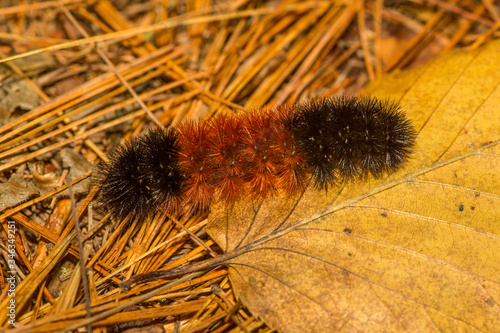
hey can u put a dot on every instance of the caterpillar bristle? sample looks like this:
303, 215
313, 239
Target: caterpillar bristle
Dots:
162, 174
313, 126
141, 175
261, 161
348, 138
194, 146
120, 181
293, 172
325, 142
225, 158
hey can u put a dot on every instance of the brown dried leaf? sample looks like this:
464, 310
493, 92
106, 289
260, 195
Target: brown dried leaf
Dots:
78, 166
16, 190
17, 94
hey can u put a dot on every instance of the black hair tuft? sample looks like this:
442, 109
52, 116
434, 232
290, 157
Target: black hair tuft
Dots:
142, 175
346, 138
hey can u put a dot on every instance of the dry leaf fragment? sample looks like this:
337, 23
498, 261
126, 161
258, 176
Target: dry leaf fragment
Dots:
18, 94
16, 190
78, 166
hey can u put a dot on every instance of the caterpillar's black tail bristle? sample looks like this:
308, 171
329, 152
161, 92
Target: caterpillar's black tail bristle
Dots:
142, 175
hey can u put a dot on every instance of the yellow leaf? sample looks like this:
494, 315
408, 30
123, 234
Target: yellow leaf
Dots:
414, 252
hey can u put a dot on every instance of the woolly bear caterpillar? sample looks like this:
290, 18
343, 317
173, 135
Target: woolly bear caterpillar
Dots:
324, 141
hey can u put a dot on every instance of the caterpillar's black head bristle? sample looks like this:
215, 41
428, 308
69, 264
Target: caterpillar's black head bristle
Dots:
141, 175
345, 138
388, 139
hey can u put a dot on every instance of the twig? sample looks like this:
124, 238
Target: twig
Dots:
83, 272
